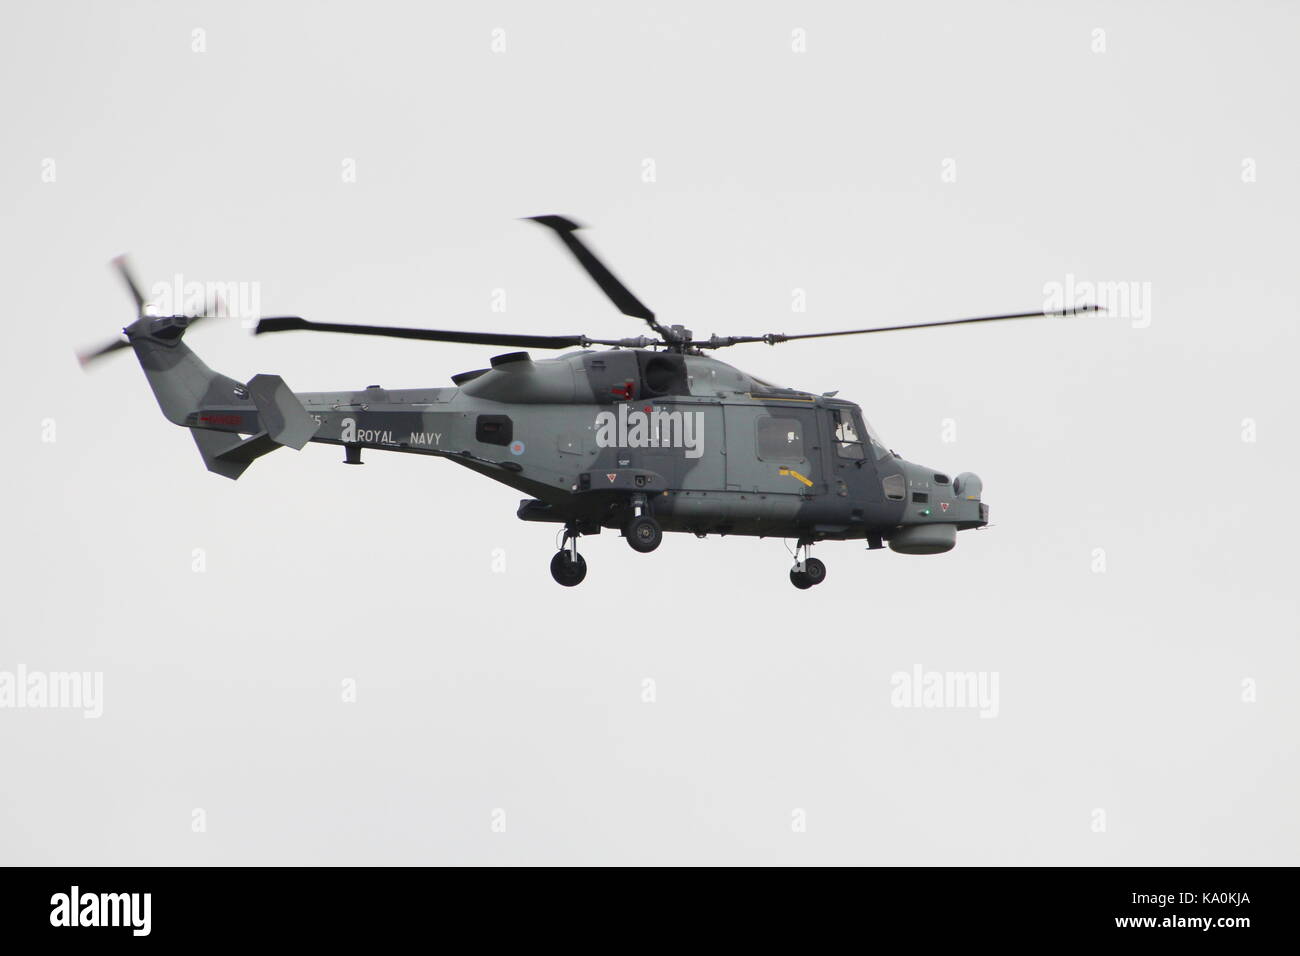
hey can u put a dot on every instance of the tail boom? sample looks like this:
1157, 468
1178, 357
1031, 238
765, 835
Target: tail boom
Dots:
233, 423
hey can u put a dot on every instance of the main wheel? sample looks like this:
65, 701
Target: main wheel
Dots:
815, 571
643, 534
800, 579
568, 569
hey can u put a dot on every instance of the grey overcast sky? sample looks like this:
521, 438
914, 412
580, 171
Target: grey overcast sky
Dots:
874, 163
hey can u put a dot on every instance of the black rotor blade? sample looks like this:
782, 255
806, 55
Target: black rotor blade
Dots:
617, 292
125, 271
774, 337
85, 358
289, 323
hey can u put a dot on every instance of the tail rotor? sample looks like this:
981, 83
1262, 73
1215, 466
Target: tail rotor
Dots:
164, 327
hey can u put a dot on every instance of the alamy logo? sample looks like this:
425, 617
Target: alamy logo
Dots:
651, 428
56, 690
102, 909
1125, 300
946, 690
237, 300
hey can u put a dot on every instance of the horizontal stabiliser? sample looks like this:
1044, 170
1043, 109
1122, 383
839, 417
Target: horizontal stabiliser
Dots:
283, 421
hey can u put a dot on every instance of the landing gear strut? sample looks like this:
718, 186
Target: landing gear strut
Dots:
568, 567
642, 531
809, 571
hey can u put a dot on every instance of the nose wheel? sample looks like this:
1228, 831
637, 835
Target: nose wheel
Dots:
808, 572
568, 567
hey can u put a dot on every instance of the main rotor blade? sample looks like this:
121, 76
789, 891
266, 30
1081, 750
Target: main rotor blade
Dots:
617, 292
120, 263
772, 338
290, 323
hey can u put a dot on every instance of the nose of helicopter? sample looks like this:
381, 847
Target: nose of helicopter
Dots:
936, 508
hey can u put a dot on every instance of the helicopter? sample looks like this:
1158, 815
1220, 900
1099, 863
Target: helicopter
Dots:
647, 435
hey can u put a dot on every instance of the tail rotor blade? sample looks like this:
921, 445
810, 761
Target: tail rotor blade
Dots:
214, 306
125, 271
85, 358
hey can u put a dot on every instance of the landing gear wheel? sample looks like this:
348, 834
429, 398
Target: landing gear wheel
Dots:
643, 534
808, 572
815, 571
568, 568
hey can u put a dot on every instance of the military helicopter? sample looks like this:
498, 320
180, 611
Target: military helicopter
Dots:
650, 434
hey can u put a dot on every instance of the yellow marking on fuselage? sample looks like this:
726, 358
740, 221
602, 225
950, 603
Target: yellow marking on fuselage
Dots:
794, 474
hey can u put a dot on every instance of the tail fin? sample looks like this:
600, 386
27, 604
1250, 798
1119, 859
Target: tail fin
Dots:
180, 380
233, 424
217, 409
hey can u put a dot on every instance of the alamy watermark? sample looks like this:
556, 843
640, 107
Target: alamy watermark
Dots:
1126, 300
22, 689
77, 908
651, 428
945, 690
227, 300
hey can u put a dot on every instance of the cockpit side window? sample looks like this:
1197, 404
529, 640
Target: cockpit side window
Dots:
847, 442
878, 448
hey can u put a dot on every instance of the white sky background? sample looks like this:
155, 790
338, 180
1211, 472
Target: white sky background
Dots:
775, 171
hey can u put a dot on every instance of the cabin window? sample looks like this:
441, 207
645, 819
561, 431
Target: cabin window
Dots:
494, 430
779, 439
895, 487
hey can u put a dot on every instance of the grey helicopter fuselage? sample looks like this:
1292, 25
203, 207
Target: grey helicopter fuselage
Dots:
594, 436
650, 435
